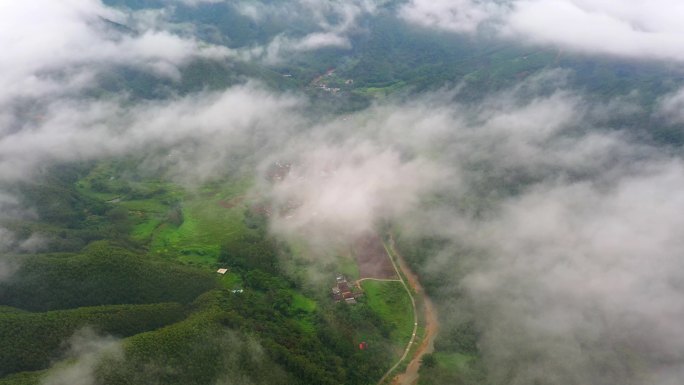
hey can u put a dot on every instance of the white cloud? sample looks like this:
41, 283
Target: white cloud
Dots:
205, 128
566, 238
319, 40
199, 2
627, 28
671, 107
335, 193
450, 15
6, 242
588, 276
53, 48
330, 24
86, 351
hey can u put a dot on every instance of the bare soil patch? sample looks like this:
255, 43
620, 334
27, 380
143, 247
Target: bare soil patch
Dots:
372, 258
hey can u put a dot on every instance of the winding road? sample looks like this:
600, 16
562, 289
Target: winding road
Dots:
410, 375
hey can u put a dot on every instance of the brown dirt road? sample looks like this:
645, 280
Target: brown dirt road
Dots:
410, 376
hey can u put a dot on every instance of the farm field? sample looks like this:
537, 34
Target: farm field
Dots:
371, 258
388, 299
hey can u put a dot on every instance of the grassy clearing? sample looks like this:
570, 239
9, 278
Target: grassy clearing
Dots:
206, 224
189, 227
303, 308
300, 302
347, 266
453, 368
101, 196
144, 205
231, 281
454, 361
381, 92
392, 304
144, 230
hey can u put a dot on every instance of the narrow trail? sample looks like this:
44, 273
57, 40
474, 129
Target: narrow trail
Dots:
410, 376
415, 318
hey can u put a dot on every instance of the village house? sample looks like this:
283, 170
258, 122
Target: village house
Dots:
342, 291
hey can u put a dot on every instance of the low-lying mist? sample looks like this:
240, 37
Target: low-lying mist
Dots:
562, 233
574, 273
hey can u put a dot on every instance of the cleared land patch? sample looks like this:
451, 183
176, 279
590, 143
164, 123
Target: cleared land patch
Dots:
372, 259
